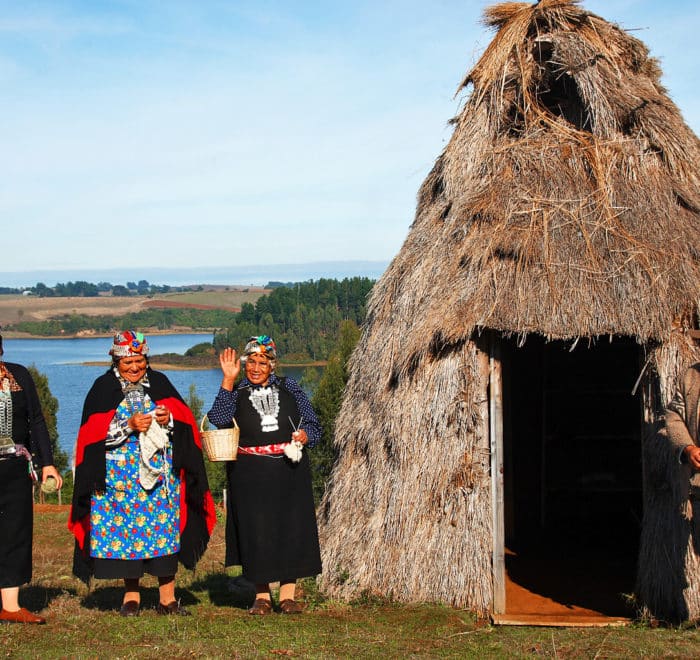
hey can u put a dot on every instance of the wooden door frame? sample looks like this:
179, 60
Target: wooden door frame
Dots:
497, 495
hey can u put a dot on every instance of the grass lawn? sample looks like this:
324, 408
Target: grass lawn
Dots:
85, 624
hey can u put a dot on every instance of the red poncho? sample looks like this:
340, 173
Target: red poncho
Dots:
197, 514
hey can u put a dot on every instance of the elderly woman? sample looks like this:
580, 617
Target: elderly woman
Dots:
271, 521
141, 500
22, 432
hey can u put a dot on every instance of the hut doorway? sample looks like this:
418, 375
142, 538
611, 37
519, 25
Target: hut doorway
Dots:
572, 477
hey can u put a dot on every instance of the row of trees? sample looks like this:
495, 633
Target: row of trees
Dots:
161, 318
326, 402
303, 319
84, 289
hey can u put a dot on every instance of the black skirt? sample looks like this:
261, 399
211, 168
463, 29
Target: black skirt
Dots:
16, 521
271, 520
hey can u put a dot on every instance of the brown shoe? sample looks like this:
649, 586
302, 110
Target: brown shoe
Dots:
130, 608
261, 607
172, 608
22, 615
289, 606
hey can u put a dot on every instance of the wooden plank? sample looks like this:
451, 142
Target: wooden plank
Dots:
559, 620
496, 442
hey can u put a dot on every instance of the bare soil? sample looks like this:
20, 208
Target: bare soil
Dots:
16, 308
161, 304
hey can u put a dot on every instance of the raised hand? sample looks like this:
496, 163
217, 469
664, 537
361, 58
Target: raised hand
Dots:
230, 366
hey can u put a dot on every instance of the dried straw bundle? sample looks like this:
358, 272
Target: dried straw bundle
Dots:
565, 204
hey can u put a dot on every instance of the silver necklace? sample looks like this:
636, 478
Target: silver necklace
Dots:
266, 401
7, 446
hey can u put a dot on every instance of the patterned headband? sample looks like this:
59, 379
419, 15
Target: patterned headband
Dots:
261, 344
128, 344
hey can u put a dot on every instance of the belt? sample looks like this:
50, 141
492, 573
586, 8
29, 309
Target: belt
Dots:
19, 451
276, 449
22, 452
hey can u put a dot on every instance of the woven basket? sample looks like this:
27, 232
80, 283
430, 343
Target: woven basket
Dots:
220, 444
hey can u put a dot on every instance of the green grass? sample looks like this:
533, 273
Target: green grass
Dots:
85, 624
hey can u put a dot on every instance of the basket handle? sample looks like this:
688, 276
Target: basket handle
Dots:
201, 424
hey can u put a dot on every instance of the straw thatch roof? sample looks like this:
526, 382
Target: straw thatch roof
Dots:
566, 201
565, 204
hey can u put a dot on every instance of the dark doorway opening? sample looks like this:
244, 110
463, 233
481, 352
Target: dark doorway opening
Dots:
572, 474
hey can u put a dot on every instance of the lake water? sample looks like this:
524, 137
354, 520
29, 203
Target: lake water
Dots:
62, 362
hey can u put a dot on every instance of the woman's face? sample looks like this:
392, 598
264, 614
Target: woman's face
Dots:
258, 369
133, 368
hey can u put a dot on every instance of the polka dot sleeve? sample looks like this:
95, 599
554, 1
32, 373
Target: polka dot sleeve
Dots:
310, 422
223, 409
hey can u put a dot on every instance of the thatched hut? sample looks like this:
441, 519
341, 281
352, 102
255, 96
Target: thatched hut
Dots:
506, 396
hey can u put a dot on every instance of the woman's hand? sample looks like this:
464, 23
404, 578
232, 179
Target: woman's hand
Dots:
162, 415
230, 366
50, 471
693, 455
140, 422
300, 436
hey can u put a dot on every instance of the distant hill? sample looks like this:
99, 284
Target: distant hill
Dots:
256, 275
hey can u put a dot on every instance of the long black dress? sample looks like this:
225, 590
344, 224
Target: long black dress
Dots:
271, 523
16, 510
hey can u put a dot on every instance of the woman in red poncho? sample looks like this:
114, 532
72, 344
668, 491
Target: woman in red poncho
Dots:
141, 501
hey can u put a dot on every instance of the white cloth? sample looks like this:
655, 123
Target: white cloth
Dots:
152, 441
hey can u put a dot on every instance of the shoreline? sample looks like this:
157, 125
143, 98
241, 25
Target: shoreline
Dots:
154, 360
11, 334
169, 366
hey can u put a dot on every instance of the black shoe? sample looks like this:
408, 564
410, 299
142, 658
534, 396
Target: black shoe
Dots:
130, 608
172, 608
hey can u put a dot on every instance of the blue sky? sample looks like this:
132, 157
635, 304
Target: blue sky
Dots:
218, 133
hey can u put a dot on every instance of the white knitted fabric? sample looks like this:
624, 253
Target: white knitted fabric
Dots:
151, 442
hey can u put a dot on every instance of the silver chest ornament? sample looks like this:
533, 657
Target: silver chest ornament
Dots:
266, 401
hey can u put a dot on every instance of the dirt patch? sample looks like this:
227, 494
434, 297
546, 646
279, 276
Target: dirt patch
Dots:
51, 508
567, 587
14, 309
164, 304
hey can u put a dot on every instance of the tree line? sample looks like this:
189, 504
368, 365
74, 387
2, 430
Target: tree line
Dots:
160, 318
304, 319
83, 289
